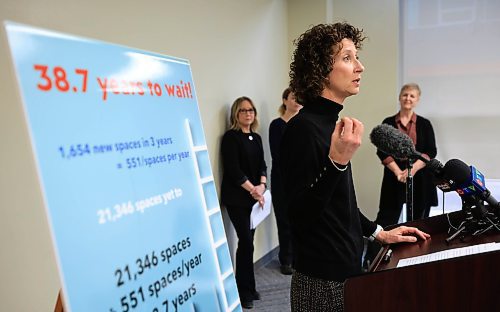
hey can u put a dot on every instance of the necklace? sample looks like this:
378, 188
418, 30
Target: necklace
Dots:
250, 137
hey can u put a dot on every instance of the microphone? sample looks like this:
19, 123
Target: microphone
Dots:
399, 145
455, 175
395, 143
440, 180
467, 181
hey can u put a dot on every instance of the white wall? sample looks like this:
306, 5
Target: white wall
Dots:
235, 48
459, 83
379, 87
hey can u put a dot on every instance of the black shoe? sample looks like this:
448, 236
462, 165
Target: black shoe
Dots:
255, 295
247, 304
286, 269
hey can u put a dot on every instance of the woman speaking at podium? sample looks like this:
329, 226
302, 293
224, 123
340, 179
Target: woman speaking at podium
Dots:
316, 150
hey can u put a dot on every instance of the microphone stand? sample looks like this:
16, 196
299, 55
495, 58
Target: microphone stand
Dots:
477, 219
409, 190
467, 226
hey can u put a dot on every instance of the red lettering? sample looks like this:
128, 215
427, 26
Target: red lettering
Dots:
170, 89
103, 84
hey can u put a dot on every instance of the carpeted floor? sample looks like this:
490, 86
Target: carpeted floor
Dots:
273, 287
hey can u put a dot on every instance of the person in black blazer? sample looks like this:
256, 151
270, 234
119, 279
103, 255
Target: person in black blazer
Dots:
243, 184
393, 192
287, 110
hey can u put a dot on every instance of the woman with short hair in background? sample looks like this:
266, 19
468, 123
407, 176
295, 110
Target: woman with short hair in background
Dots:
393, 193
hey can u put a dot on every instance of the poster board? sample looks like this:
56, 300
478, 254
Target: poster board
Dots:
125, 175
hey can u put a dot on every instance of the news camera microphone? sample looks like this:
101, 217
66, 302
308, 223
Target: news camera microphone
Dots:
439, 179
436, 166
395, 143
467, 181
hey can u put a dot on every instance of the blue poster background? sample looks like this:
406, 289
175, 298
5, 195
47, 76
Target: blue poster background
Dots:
125, 173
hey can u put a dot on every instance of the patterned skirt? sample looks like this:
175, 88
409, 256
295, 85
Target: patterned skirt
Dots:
308, 294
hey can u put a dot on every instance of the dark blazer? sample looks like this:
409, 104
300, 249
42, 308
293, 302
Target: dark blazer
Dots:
242, 159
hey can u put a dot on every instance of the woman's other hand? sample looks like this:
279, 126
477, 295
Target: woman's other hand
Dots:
401, 234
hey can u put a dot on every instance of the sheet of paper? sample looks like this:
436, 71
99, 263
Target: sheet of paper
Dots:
260, 213
451, 253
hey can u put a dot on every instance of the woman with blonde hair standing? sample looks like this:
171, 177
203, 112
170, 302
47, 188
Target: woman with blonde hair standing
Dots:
243, 184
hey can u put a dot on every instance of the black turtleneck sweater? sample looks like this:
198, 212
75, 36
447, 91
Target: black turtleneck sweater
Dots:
327, 225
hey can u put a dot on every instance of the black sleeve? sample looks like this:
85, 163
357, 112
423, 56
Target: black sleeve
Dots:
367, 226
263, 166
308, 174
231, 159
274, 139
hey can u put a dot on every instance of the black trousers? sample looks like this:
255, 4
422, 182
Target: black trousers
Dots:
284, 232
390, 215
393, 196
245, 278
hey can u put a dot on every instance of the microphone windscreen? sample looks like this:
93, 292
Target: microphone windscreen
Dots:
392, 141
435, 166
437, 170
457, 170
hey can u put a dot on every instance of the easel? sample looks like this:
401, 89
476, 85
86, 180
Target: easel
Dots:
59, 303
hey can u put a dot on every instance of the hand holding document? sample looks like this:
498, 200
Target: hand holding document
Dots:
259, 212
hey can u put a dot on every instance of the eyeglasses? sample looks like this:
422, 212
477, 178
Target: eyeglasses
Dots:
244, 111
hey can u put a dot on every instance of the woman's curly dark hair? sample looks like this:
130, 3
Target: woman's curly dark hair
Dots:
313, 57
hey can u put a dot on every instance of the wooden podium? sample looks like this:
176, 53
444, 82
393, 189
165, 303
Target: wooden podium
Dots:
469, 283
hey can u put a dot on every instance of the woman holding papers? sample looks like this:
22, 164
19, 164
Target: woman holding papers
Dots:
316, 152
243, 184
